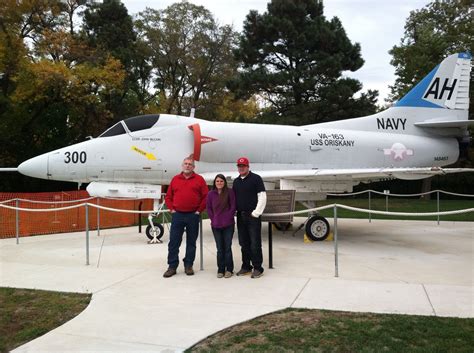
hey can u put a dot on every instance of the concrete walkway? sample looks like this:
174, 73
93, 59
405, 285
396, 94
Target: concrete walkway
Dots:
409, 267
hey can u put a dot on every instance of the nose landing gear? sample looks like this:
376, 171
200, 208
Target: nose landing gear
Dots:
155, 231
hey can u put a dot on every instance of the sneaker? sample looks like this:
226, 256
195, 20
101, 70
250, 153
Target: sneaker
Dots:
228, 274
189, 271
244, 272
220, 275
257, 274
169, 272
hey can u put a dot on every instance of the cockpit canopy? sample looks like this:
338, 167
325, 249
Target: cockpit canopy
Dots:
135, 123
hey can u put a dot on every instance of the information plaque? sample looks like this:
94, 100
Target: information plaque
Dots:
279, 201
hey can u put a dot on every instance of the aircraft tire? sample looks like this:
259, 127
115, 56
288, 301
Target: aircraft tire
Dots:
158, 227
317, 228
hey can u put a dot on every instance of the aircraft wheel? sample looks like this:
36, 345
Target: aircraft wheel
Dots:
159, 231
282, 226
317, 228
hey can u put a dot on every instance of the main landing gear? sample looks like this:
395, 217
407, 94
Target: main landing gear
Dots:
316, 227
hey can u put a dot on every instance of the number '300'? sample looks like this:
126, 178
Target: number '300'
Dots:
75, 157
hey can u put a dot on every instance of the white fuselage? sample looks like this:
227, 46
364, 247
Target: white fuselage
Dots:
155, 155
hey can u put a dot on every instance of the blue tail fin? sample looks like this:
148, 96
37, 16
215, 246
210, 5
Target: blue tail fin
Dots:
446, 87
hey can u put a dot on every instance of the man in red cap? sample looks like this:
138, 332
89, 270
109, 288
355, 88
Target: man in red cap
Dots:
251, 200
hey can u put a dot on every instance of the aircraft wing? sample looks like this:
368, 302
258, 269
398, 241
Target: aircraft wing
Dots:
357, 174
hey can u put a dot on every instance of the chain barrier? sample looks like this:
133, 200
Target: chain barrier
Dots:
159, 211
67, 201
315, 209
401, 195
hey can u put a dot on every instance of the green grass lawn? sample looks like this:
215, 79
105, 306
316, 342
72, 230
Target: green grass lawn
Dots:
399, 205
302, 330
26, 314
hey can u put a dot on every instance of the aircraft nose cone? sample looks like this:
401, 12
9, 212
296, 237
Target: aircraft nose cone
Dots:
36, 167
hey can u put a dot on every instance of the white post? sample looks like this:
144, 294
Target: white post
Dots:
386, 192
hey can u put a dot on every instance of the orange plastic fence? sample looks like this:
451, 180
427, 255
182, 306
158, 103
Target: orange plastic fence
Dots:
73, 220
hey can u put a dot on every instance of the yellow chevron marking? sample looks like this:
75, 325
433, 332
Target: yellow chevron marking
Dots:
150, 156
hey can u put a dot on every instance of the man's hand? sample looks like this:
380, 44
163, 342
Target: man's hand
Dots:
254, 214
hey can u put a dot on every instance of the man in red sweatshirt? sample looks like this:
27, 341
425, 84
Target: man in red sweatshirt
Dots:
186, 199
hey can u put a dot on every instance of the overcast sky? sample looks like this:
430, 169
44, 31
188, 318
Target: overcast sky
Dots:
376, 25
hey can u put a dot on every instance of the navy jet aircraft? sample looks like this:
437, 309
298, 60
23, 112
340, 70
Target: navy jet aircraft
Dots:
414, 139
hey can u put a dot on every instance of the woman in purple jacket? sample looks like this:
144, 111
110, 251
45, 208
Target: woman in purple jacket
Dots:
221, 210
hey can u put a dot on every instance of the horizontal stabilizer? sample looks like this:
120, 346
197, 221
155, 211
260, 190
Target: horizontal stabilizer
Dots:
446, 123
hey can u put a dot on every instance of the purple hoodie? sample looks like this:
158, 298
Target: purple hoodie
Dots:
220, 219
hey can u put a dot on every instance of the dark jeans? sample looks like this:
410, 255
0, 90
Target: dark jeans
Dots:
223, 237
250, 240
179, 222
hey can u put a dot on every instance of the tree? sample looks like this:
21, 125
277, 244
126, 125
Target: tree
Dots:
108, 26
19, 22
110, 30
192, 60
69, 7
431, 33
294, 58
54, 88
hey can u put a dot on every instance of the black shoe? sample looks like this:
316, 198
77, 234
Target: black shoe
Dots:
169, 272
257, 274
244, 272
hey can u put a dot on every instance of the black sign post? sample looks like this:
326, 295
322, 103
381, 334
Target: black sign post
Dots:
278, 201
270, 242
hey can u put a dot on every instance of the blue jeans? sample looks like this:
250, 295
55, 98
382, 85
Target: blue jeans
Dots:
250, 240
179, 222
223, 237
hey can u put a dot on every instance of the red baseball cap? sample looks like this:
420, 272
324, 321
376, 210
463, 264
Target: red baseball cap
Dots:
243, 161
